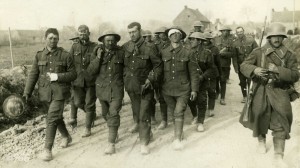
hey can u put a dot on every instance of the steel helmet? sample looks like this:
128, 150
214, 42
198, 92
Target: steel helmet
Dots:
198, 23
147, 33
276, 29
222, 28
109, 33
197, 35
207, 35
13, 106
160, 30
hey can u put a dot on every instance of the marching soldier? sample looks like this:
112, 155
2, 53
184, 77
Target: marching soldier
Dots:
244, 46
147, 35
198, 26
108, 66
227, 53
181, 80
204, 59
140, 59
207, 43
163, 43
54, 70
273, 69
83, 88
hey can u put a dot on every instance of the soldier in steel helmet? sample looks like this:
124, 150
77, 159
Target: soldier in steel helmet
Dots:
141, 58
147, 35
108, 67
54, 70
273, 69
204, 59
198, 26
244, 46
180, 80
214, 79
83, 88
161, 44
224, 42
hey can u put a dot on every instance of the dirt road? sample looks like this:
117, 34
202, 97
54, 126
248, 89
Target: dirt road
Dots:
224, 144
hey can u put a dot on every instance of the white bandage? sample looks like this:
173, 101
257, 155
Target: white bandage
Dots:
53, 76
172, 31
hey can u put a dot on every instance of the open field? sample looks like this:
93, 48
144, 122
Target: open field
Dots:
23, 55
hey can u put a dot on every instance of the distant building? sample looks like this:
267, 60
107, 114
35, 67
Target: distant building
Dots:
286, 18
188, 16
21, 37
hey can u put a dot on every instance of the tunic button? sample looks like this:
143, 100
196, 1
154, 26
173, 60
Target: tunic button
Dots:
172, 57
173, 77
50, 69
173, 64
109, 81
173, 71
131, 75
50, 62
108, 67
133, 61
109, 75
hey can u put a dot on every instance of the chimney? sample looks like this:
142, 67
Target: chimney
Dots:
185, 6
273, 10
285, 9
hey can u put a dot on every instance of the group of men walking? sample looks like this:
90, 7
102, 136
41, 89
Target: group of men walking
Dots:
175, 70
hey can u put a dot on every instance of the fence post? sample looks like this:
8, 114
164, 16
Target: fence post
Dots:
10, 47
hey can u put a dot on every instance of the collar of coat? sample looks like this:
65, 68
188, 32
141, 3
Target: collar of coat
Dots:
176, 50
130, 45
54, 52
281, 51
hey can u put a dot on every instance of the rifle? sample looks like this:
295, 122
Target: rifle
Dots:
251, 92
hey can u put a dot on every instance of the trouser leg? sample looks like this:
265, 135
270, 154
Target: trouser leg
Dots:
243, 84
113, 119
145, 119
135, 105
90, 106
171, 103
193, 107
202, 103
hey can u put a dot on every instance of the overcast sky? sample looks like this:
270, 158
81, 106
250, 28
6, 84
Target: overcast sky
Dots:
33, 14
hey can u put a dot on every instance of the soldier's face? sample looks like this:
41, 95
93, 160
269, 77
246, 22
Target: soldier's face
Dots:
225, 32
197, 29
148, 38
163, 36
52, 40
239, 32
194, 42
206, 42
134, 33
84, 36
276, 41
175, 37
109, 42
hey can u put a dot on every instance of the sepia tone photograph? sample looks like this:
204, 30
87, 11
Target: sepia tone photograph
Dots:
149, 83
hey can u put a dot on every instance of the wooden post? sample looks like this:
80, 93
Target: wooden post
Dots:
10, 47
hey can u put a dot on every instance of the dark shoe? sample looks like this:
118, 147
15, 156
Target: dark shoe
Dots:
46, 155
87, 133
222, 102
110, 149
65, 142
162, 125
134, 128
244, 100
73, 123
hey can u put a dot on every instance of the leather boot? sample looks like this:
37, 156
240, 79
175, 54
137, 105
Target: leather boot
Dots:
279, 145
145, 149
49, 140
144, 132
89, 118
66, 138
261, 148
177, 144
112, 134
73, 120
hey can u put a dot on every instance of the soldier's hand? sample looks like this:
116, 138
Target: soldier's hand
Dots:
99, 52
193, 96
260, 71
52, 76
25, 97
147, 84
273, 68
